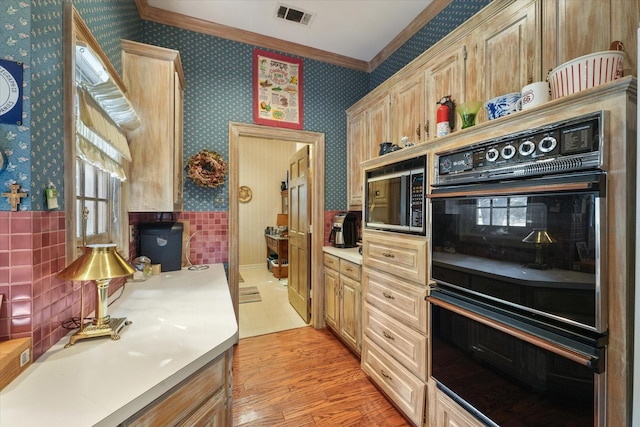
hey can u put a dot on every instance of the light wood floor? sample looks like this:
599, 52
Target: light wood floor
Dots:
304, 377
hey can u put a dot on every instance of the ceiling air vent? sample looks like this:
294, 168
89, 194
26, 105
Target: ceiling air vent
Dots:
293, 15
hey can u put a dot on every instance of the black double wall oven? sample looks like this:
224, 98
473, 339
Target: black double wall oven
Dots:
518, 309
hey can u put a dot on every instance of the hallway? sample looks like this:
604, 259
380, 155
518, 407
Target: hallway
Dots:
273, 313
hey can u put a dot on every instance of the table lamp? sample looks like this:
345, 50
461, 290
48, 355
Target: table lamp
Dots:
539, 237
100, 263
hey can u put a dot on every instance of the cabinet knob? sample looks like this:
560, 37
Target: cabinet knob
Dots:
418, 132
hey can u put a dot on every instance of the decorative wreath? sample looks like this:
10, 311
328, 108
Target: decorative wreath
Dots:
207, 169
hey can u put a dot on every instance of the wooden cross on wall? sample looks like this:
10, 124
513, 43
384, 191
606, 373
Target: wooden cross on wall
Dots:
14, 197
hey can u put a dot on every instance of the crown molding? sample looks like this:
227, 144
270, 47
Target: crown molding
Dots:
178, 20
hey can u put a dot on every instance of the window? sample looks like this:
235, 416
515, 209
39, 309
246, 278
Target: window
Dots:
97, 117
502, 211
100, 193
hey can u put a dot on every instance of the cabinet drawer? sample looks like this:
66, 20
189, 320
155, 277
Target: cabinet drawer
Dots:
403, 301
350, 269
185, 398
406, 345
332, 261
449, 414
405, 256
398, 384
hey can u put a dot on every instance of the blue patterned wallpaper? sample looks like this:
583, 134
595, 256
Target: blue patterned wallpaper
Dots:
108, 20
218, 76
446, 21
15, 140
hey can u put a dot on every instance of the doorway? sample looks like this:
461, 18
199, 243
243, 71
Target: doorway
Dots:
315, 140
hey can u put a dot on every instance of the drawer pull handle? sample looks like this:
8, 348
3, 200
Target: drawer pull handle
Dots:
349, 269
384, 374
388, 255
387, 336
387, 296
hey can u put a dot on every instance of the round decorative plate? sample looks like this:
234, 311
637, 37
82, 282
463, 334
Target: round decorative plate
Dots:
244, 193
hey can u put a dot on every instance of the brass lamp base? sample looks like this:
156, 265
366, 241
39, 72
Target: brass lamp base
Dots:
111, 328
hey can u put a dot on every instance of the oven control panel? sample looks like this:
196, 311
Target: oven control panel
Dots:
559, 147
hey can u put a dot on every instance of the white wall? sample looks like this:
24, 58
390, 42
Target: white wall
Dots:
263, 165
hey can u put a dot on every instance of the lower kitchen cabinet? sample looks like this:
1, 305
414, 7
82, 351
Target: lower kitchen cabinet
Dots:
449, 414
395, 321
203, 399
401, 386
343, 306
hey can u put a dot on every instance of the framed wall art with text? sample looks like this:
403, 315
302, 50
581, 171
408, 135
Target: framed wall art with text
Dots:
277, 89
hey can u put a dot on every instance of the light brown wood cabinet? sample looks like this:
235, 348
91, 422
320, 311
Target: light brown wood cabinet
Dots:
203, 399
507, 52
407, 109
343, 307
450, 414
573, 28
394, 350
367, 127
155, 83
445, 75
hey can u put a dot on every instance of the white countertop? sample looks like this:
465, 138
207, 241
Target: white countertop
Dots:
181, 321
350, 254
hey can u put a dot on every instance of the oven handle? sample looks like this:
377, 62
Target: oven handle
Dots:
588, 182
589, 362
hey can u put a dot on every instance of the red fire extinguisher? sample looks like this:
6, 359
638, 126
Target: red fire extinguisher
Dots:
444, 116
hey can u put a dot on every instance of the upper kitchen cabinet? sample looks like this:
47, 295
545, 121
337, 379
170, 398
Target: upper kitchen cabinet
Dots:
368, 125
507, 52
444, 75
407, 110
155, 80
573, 28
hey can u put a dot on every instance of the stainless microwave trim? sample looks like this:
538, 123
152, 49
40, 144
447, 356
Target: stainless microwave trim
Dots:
378, 174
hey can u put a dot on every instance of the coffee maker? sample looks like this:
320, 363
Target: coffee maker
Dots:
344, 231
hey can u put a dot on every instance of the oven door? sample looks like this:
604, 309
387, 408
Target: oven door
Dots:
506, 370
535, 245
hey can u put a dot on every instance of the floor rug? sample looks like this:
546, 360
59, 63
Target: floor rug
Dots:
249, 294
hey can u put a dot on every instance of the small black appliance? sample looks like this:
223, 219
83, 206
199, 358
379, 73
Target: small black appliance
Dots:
162, 242
344, 231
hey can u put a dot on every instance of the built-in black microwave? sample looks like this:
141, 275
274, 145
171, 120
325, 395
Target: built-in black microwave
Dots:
395, 197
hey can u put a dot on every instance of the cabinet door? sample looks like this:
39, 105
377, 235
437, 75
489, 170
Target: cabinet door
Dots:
178, 166
407, 109
331, 289
379, 126
213, 413
450, 414
350, 312
508, 51
356, 143
445, 77
572, 28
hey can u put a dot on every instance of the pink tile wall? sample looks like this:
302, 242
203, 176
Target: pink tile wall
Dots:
32, 252
209, 244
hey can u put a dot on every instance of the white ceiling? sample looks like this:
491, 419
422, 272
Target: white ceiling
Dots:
357, 29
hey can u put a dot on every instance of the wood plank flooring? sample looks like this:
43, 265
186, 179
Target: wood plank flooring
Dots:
304, 377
